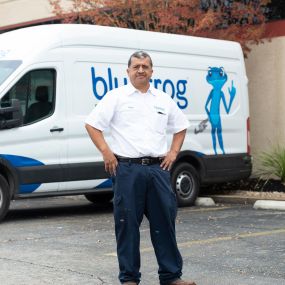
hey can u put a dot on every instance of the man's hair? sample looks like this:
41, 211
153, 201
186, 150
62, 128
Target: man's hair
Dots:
139, 54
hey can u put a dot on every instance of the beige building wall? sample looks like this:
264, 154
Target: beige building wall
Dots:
265, 67
20, 11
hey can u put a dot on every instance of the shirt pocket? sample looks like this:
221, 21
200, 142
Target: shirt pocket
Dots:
160, 122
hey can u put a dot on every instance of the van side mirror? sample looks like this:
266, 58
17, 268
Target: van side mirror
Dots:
11, 117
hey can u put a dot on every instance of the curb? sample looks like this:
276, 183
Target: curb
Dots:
257, 202
204, 202
232, 199
269, 205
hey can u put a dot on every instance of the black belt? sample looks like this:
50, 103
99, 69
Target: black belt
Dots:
146, 160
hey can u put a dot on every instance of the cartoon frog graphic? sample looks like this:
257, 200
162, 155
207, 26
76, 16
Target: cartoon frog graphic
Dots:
217, 78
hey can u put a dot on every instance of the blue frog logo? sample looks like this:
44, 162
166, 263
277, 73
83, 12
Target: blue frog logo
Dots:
217, 78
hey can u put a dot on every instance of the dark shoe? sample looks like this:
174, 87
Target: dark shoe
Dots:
182, 282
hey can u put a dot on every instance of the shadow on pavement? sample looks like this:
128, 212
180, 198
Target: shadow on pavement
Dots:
39, 208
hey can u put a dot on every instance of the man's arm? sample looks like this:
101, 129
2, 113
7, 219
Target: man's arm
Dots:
176, 145
99, 141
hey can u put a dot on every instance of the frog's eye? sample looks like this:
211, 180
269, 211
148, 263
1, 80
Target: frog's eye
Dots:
222, 72
209, 71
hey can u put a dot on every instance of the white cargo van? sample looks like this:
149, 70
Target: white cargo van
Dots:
52, 76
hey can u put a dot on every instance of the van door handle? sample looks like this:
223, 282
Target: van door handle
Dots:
56, 130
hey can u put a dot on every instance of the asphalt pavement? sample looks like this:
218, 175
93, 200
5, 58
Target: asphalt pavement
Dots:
67, 240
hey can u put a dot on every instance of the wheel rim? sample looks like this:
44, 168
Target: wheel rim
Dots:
184, 184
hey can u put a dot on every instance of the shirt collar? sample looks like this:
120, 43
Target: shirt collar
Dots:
130, 89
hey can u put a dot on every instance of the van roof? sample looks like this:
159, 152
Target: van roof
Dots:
46, 37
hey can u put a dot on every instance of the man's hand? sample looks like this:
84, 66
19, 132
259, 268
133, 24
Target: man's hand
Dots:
108, 156
168, 160
110, 161
170, 157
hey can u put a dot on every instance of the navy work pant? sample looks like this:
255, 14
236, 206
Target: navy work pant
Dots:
138, 190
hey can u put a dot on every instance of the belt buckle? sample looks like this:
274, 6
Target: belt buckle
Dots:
145, 161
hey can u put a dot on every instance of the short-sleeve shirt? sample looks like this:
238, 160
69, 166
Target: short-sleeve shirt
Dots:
138, 122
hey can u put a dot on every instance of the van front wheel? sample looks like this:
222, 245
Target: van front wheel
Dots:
4, 197
185, 183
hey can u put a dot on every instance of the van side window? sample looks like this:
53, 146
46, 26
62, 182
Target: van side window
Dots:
36, 93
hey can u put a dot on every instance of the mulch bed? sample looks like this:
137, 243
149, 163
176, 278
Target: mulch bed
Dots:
250, 184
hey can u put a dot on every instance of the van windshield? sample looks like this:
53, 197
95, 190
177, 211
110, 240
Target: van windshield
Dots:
7, 67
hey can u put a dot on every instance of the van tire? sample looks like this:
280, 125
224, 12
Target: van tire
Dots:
4, 197
185, 183
102, 198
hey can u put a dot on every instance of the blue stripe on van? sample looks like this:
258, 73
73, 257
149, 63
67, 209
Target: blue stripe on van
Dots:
28, 188
106, 184
21, 161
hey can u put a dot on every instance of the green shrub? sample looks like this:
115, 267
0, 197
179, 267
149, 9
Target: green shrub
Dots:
273, 163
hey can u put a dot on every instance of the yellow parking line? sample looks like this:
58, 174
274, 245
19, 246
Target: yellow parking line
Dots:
213, 240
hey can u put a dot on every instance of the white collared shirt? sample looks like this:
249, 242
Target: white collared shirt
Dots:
137, 121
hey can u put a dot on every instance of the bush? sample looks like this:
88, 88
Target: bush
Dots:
273, 163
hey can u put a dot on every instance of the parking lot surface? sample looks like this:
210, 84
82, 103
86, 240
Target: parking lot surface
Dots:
68, 240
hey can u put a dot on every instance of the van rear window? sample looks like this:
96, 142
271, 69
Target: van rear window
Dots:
7, 67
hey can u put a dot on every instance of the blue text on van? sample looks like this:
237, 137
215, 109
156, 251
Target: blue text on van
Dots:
176, 91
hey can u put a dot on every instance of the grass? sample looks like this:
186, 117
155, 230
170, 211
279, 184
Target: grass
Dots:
272, 163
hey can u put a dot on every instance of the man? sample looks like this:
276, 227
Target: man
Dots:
138, 116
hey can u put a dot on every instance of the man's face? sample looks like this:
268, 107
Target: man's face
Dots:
140, 72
